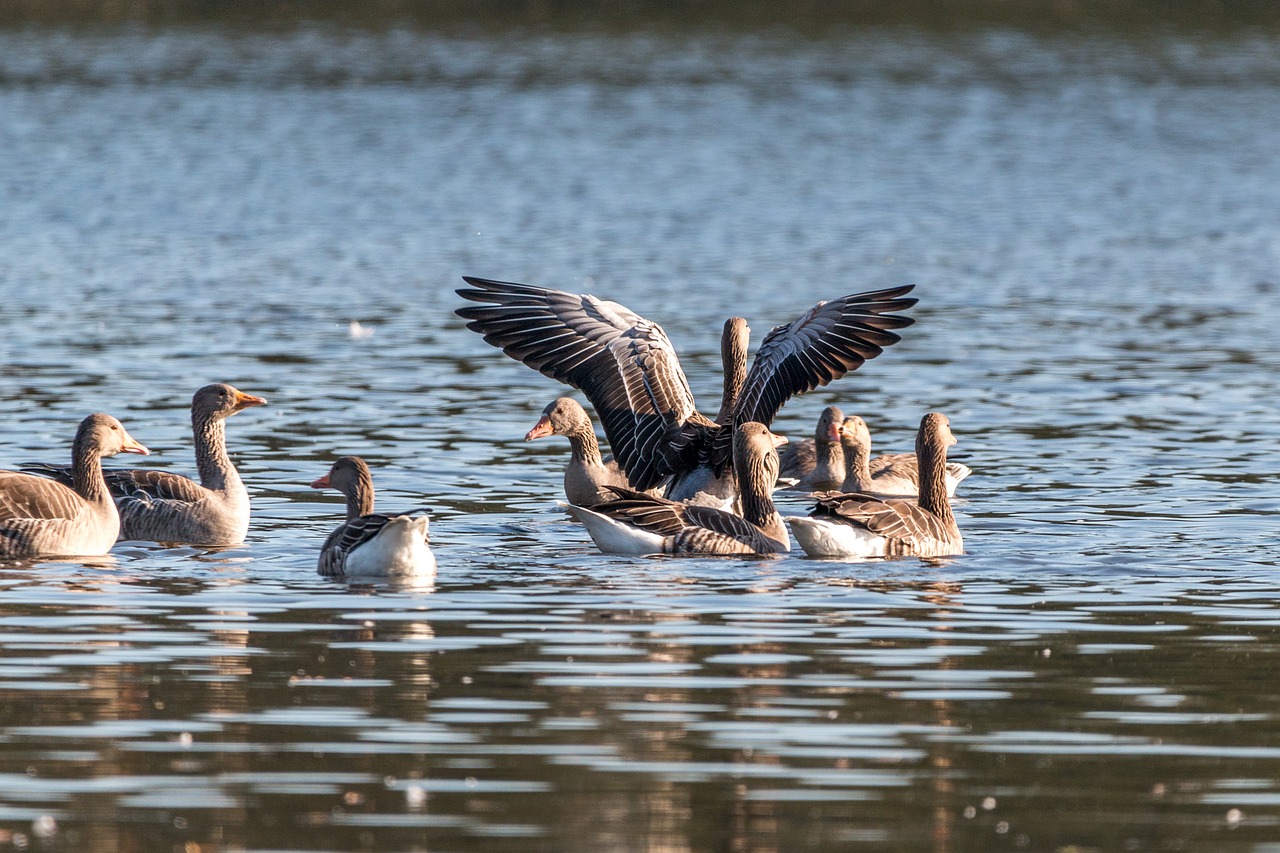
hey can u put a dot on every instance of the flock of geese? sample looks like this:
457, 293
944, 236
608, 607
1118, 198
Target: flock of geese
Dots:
679, 482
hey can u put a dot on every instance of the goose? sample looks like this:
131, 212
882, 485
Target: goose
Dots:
41, 517
629, 370
855, 524
161, 506
817, 464
370, 544
587, 475
892, 475
637, 524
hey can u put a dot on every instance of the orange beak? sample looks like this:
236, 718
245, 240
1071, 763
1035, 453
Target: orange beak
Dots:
833, 432
541, 429
779, 440
244, 401
322, 483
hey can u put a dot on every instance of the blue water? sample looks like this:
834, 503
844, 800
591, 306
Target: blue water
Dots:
1090, 223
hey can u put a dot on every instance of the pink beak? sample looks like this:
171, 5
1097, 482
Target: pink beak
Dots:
322, 483
541, 429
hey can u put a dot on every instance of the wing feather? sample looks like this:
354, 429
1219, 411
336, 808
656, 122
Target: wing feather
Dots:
826, 342
694, 529
908, 527
624, 364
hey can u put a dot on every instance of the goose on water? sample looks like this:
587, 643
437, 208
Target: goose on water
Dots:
371, 544
892, 475
638, 524
855, 524
165, 507
817, 464
629, 370
42, 517
588, 475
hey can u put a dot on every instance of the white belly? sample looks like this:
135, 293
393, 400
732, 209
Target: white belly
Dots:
399, 549
821, 537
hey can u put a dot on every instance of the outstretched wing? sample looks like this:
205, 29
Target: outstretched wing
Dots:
624, 363
825, 343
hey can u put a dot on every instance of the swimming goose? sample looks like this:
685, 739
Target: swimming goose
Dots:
637, 524
860, 525
629, 370
370, 544
164, 507
817, 463
588, 474
893, 475
39, 516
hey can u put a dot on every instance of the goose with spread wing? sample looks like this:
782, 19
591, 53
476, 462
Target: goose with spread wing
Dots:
639, 524
629, 370
368, 543
856, 524
42, 517
161, 506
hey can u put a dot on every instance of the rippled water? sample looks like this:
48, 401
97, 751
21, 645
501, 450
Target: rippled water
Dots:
1091, 223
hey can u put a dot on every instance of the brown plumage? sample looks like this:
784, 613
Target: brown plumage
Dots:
817, 464
640, 524
629, 370
42, 517
588, 475
892, 475
858, 525
166, 507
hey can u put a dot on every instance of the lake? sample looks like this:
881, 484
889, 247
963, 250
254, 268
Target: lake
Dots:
1089, 216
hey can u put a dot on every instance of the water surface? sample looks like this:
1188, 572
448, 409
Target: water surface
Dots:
1090, 223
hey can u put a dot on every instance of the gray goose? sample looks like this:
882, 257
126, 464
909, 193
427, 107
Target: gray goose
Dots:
370, 544
638, 524
893, 475
861, 525
164, 507
39, 516
629, 370
817, 464
588, 474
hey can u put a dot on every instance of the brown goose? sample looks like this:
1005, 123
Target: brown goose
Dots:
629, 371
638, 524
817, 464
370, 544
164, 507
587, 475
893, 475
861, 525
41, 517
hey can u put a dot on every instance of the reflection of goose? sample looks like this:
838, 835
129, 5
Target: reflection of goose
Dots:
368, 543
629, 371
817, 464
861, 525
166, 507
639, 524
894, 475
40, 516
587, 475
